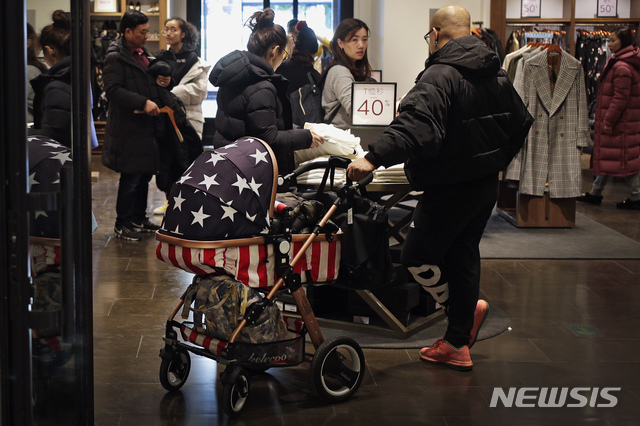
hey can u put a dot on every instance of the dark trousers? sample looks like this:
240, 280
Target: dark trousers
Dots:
444, 239
131, 205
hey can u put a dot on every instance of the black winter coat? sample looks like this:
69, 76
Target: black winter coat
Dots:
52, 103
462, 121
252, 101
129, 141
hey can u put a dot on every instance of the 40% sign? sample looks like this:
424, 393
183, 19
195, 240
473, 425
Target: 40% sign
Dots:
373, 103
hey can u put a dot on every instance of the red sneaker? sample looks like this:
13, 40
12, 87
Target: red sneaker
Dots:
482, 309
441, 352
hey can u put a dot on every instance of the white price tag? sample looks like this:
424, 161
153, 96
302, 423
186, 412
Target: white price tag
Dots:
530, 9
373, 104
105, 6
607, 8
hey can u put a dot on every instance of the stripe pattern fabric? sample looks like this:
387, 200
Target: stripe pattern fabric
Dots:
254, 265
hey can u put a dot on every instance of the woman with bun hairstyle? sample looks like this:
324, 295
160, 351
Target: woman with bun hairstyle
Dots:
252, 99
299, 66
52, 102
349, 49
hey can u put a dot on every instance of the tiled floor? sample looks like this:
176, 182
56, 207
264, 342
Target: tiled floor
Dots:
134, 294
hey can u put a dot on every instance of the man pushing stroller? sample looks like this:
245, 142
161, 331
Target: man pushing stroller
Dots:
458, 127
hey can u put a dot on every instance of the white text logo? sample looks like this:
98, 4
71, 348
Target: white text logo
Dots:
554, 397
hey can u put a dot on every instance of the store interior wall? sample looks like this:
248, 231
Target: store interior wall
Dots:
396, 45
397, 28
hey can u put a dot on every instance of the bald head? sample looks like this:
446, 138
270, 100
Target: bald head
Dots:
453, 22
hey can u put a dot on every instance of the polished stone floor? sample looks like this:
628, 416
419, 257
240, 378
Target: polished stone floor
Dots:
134, 294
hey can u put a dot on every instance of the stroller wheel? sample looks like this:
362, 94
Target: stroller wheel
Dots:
337, 369
235, 393
175, 370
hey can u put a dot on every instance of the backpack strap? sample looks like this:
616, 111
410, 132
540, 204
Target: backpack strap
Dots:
333, 114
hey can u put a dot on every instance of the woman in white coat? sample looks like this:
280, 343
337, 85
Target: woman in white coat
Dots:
189, 78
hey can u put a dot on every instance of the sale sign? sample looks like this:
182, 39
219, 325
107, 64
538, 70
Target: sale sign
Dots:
530, 9
607, 8
373, 104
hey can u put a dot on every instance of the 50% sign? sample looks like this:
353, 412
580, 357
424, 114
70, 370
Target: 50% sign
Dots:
530, 9
607, 8
373, 104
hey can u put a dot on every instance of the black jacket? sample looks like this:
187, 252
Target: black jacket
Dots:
462, 120
129, 142
297, 73
252, 102
52, 103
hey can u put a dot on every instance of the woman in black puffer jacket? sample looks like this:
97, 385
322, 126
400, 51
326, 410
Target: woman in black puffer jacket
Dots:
252, 99
52, 102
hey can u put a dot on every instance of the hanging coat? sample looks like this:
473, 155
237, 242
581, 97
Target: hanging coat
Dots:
551, 153
618, 106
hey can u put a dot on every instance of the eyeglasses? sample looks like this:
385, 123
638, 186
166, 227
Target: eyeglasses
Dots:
170, 30
426, 36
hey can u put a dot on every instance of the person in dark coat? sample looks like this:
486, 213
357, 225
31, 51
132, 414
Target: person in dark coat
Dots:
298, 69
252, 99
458, 127
52, 101
616, 144
130, 146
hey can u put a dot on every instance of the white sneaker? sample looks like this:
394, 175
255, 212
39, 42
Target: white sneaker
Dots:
160, 210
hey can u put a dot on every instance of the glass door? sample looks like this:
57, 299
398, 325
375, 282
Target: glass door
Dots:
46, 350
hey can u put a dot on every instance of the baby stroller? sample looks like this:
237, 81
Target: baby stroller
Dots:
239, 248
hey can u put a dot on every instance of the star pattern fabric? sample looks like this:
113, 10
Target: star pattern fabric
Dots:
46, 157
224, 194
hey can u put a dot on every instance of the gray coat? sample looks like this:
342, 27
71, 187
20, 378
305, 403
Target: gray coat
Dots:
551, 153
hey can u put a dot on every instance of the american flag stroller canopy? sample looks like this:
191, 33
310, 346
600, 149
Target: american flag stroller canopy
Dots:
227, 193
219, 215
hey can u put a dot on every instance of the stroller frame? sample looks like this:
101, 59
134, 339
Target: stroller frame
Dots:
338, 364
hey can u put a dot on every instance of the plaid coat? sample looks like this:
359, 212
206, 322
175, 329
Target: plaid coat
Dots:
551, 153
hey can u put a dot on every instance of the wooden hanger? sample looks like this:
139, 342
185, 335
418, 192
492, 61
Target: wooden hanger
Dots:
553, 48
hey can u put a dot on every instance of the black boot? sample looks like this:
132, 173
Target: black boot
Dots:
596, 200
629, 204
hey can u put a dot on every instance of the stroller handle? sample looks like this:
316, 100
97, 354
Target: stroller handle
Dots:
362, 182
332, 162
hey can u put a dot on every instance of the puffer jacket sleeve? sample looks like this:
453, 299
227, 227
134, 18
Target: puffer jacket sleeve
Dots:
261, 113
192, 89
621, 92
418, 130
56, 115
114, 83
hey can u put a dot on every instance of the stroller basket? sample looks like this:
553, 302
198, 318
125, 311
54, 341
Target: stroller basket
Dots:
264, 355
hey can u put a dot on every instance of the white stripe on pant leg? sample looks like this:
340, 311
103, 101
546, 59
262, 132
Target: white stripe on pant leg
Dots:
440, 292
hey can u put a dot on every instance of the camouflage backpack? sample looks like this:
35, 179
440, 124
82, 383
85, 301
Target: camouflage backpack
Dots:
223, 302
